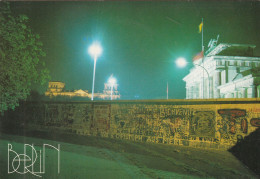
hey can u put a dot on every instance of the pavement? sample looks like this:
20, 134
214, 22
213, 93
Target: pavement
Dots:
94, 157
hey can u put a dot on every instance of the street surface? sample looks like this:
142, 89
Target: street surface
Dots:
92, 157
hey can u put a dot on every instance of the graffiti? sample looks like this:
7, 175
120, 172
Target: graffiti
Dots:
255, 122
170, 112
52, 115
231, 117
192, 125
174, 124
232, 112
67, 114
256, 110
101, 120
87, 114
151, 120
202, 124
244, 125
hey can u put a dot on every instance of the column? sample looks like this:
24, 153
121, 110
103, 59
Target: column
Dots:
197, 90
252, 91
244, 94
190, 92
201, 89
236, 93
187, 92
216, 83
258, 91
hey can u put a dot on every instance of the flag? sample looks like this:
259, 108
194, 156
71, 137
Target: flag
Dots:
198, 56
200, 27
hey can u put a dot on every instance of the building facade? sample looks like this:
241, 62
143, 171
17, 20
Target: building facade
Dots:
226, 71
57, 88
108, 88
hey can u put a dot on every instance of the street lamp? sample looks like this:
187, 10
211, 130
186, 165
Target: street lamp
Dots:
181, 62
95, 51
112, 82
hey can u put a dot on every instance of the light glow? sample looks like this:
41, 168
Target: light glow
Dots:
95, 50
181, 62
112, 81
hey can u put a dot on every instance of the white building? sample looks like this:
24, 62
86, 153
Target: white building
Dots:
107, 91
57, 88
226, 71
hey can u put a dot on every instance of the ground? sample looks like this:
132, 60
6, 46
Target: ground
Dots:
94, 157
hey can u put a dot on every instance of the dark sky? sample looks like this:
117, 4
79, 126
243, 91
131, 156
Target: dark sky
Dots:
140, 40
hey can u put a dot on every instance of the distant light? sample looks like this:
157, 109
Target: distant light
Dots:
95, 50
112, 80
181, 62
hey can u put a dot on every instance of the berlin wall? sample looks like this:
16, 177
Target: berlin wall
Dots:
217, 124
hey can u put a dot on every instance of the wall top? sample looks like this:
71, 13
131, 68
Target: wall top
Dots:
163, 101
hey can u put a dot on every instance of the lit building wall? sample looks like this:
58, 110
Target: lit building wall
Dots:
107, 91
58, 89
222, 74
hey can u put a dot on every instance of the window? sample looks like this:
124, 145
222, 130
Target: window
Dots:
248, 64
219, 63
231, 63
242, 64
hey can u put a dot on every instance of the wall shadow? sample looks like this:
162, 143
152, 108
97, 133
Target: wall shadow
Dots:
247, 150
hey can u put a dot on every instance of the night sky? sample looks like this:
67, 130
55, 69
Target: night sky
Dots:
140, 40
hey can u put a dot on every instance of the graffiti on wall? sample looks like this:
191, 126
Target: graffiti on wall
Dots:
202, 124
67, 111
177, 124
233, 123
255, 122
101, 118
152, 123
52, 115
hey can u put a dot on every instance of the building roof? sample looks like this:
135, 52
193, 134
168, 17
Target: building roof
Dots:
237, 77
80, 91
227, 49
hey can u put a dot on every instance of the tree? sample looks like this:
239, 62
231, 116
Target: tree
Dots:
21, 59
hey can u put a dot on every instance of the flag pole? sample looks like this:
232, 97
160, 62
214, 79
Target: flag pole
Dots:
202, 47
167, 90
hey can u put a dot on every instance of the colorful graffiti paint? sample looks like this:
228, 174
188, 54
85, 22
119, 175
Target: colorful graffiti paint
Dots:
255, 122
196, 126
244, 125
231, 117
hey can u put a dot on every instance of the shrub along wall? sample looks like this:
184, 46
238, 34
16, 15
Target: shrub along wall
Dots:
217, 124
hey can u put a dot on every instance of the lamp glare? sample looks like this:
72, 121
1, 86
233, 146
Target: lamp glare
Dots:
181, 62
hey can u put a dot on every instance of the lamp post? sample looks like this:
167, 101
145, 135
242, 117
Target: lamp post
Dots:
181, 62
95, 51
112, 82
203, 79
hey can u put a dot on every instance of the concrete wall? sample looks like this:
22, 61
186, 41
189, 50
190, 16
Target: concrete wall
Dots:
214, 124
